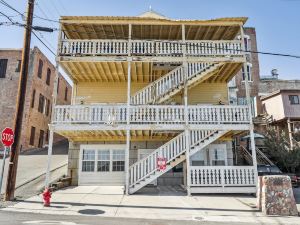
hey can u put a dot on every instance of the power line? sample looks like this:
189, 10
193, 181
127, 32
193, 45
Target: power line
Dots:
113, 35
43, 43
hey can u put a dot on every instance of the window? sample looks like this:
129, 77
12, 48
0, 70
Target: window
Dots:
88, 161
294, 99
118, 160
41, 103
41, 139
32, 136
66, 93
40, 70
199, 158
103, 164
249, 71
57, 85
19, 66
3, 66
47, 107
33, 99
48, 78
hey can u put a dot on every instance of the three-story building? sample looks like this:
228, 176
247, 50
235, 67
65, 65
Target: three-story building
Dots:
150, 90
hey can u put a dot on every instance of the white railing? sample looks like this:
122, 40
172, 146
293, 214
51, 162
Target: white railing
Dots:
83, 47
218, 114
172, 80
172, 149
150, 114
203, 176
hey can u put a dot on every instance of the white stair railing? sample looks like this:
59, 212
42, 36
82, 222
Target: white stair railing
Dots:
164, 85
170, 151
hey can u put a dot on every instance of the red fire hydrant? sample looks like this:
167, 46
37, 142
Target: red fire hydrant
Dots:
47, 197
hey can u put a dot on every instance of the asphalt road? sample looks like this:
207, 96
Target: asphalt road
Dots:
12, 218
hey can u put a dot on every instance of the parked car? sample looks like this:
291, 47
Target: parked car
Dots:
263, 170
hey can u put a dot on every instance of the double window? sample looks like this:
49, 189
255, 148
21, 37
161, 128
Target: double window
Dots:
104, 160
248, 73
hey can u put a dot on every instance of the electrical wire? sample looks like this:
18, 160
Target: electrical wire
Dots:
43, 43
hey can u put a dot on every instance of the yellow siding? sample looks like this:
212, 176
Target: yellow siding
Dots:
205, 93
99, 92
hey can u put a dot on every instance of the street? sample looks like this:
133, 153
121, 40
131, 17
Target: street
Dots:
13, 218
32, 165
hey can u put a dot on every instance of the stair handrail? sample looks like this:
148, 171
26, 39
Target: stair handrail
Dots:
258, 151
203, 134
246, 154
200, 68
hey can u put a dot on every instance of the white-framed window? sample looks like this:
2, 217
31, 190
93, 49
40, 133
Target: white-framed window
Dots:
103, 163
249, 73
247, 42
103, 159
294, 99
88, 160
118, 160
218, 155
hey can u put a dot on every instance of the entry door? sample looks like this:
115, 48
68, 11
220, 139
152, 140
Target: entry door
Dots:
143, 153
102, 165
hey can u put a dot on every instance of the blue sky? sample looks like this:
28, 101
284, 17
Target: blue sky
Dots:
277, 22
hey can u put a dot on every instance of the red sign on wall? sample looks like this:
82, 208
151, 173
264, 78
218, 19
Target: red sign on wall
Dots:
161, 163
7, 137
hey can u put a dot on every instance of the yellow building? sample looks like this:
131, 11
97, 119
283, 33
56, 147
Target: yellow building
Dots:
150, 90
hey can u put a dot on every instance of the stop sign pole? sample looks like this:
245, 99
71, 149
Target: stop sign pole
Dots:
7, 138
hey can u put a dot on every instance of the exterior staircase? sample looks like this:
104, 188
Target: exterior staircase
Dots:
173, 82
261, 158
145, 171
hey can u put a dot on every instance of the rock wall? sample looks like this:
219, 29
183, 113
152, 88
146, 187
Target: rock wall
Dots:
277, 196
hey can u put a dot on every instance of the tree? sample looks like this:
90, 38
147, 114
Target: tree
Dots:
278, 149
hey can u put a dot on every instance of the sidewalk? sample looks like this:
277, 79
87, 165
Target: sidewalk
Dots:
166, 204
33, 165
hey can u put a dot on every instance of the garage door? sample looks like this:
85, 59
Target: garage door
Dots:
102, 165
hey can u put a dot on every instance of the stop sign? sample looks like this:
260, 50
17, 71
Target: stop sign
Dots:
7, 137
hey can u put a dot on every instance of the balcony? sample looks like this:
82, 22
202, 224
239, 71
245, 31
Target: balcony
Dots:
231, 50
155, 117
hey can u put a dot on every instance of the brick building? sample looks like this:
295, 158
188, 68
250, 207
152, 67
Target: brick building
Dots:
38, 101
237, 91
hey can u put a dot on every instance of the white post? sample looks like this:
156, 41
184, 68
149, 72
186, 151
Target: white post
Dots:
128, 114
187, 131
50, 145
3, 167
252, 140
54, 98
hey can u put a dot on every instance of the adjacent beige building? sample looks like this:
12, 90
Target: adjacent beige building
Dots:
38, 103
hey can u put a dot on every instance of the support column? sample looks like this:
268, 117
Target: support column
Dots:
290, 133
54, 99
248, 98
185, 97
129, 59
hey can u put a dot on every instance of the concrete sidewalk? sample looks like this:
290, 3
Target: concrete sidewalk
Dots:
166, 204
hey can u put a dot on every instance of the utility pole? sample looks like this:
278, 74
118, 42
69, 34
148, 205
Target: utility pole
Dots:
15, 150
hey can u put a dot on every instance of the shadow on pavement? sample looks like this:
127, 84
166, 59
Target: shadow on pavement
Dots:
60, 148
78, 204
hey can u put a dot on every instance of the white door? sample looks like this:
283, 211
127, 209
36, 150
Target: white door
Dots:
143, 153
102, 165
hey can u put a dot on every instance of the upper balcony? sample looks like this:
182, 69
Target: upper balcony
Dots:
153, 38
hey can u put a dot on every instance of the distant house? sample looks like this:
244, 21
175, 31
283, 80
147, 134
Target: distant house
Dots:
150, 90
38, 102
284, 107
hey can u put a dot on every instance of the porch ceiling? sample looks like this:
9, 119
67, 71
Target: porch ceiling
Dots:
118, 135
149, 31
140, 71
